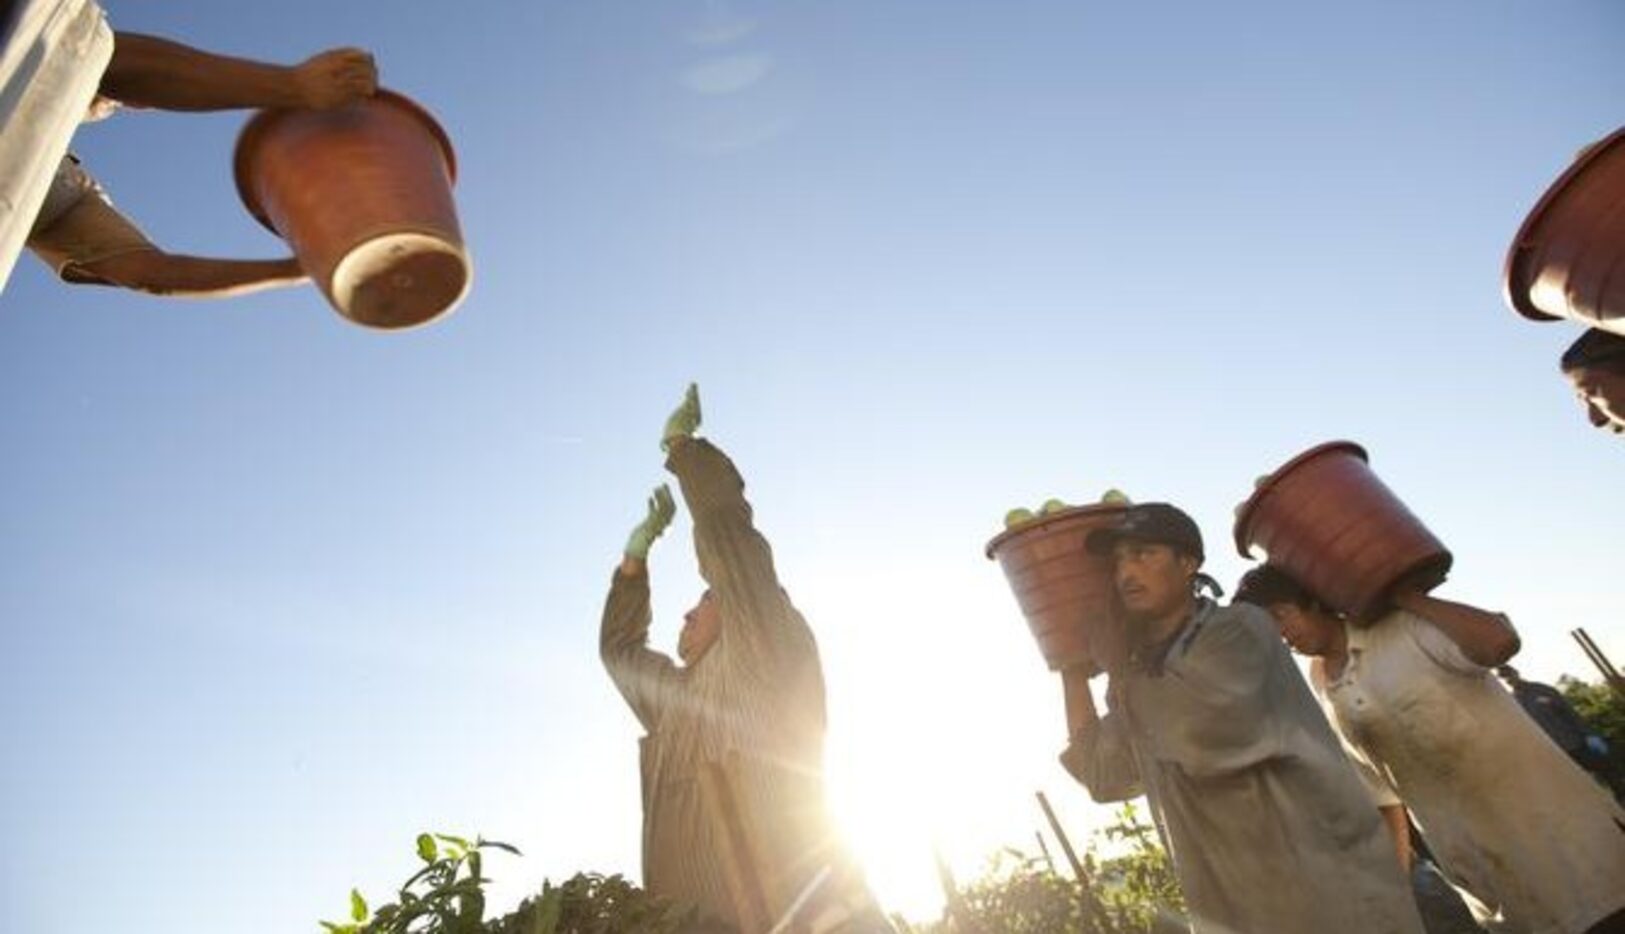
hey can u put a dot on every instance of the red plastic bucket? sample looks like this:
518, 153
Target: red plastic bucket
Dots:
1568, 258
1325, 518
363, 195
1066, 593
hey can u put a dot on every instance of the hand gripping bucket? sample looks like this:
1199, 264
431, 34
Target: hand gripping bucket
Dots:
363, 195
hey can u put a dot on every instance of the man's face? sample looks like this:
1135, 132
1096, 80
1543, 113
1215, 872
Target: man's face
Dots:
701, 626
1602, 389
1308, 633
1153, 581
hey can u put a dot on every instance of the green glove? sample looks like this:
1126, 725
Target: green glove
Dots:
661, 510
684, 421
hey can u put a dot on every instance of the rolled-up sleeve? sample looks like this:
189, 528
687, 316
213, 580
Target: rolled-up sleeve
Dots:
1101, 758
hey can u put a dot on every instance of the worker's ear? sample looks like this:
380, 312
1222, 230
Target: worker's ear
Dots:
1188, 565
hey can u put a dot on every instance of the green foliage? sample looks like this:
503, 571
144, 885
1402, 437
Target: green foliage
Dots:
446, 896
1599, 705
1020, 894
1132, 891
1137, 886
589, 903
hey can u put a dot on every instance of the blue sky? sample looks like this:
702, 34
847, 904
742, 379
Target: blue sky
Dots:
278, 593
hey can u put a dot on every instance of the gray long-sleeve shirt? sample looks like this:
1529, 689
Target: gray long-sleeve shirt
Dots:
1268, 826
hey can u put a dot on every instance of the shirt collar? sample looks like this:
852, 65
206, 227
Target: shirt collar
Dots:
1153, 659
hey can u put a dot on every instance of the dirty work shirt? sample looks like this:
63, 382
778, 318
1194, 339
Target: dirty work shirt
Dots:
1509, 816
1269, 828
758, 693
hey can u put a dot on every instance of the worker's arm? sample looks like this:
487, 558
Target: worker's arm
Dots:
760, 627
645, 678
86, 240
147, 71
159, 273
1486, 638
1099, 753
1382, 795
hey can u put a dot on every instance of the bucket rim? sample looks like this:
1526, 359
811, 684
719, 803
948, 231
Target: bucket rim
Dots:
1245, 516
1514, 280
1071, 512
260, 123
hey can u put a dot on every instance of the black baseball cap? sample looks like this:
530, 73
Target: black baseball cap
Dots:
1152, 523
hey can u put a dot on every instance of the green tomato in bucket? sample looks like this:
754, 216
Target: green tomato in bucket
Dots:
1052, 505
1115, 497
1020, 515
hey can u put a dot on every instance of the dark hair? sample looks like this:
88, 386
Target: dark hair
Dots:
1594, 349
1267, 585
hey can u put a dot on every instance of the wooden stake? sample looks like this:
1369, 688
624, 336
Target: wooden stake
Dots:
1594, 652
1044, 849
1077, 865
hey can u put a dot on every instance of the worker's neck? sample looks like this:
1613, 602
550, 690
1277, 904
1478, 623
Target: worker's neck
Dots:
1166, 626
1337, 646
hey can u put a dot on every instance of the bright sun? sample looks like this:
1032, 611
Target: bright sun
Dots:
943, 726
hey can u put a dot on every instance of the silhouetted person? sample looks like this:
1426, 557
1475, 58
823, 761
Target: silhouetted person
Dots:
748, 699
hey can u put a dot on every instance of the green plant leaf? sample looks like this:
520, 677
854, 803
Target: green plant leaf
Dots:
506, 847
427, 851
358, 906
455, 841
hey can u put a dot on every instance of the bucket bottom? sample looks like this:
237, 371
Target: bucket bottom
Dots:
400, 280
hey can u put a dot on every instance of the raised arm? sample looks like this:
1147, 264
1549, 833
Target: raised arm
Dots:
1486, 638
759, 624
646, 678
147, 71
735, 560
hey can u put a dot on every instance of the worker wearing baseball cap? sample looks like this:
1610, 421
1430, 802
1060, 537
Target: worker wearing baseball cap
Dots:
1267, 823
1595, 367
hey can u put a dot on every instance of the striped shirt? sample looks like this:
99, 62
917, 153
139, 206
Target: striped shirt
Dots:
754, 703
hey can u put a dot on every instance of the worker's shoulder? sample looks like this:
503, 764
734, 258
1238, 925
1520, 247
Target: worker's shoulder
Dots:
1238, 622
1240, 613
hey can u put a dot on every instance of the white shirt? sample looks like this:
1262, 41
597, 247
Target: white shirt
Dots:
1507, 813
